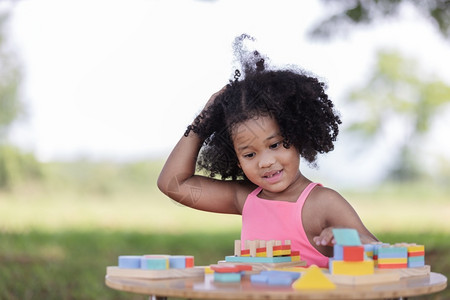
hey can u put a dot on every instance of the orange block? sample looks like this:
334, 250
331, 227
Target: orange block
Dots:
189, 261
392, 266
353, 253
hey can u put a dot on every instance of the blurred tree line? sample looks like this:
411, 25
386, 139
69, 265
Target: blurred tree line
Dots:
15, 166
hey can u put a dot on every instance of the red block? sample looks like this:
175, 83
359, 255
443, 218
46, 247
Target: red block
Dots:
353, 253
278, 248
392, 266
418, 253
189, 261
245, 252
228, 268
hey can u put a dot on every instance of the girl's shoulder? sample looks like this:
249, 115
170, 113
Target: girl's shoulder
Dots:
322, 197
243, 189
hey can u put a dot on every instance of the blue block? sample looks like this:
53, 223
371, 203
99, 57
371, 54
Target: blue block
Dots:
177, 262
346, 237
416, 258
376, 247
392, 252
227, 277
258, 278
338, 251
416, 264
129, 262
330, 265
292, 275
280, 280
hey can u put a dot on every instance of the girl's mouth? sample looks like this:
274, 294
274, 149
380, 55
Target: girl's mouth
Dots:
273, 176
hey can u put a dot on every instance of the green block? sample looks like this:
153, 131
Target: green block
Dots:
346, 237
227, 277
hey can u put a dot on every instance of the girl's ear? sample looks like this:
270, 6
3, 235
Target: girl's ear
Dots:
239, 165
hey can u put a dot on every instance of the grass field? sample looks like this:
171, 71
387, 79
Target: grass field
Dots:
57, 237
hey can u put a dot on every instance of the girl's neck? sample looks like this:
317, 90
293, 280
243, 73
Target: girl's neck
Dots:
291, 193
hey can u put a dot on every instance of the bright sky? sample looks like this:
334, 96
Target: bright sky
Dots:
122, 79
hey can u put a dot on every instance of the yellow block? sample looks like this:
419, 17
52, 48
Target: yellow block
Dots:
416, 248
382, 261
341, 267
261, 254
278, 253
313, 279
295, 258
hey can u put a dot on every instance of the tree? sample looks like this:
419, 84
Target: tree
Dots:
15, 166
359, 12
395, 90
10, 77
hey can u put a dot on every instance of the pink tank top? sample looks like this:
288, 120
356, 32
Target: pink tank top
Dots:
280, 220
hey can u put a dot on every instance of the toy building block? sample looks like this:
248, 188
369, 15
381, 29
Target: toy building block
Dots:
227, 277
353, 253
416, 256
245, 253
261, 252
177, 262
368, 250
189, 261
346, 237
129, 262
339, 267
313, 279
252, 245
338, 252
269, 248
229, 272
237, 248
275, 277
295, 256
155, 262
392, 257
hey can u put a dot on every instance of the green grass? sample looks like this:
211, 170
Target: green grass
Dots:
58, 236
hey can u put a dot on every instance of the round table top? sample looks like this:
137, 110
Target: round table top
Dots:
203, 287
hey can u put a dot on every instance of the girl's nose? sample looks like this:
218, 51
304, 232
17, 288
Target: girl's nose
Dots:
266, 161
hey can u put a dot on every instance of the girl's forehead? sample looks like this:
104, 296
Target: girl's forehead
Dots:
258, 127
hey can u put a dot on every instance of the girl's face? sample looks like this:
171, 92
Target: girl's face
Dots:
262, 157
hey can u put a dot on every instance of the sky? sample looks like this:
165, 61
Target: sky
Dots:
121, 80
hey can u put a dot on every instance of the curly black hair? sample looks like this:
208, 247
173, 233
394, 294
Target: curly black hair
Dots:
296, 100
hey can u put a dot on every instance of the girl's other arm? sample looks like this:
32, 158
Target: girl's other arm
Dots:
178, 180
338, 213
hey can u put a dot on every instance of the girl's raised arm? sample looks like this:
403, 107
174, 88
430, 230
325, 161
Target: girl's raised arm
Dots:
178, 180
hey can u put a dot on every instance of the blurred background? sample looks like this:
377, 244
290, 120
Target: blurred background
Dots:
94, 95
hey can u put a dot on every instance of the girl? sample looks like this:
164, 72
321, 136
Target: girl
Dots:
252, 134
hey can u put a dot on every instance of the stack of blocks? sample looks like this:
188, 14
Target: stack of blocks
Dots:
416, 255
401, 256
262, 251
229, 273
155, 262
349, 254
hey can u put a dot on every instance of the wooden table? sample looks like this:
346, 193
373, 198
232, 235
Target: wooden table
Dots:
204, 287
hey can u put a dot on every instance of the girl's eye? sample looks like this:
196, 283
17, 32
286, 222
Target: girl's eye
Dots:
275, 146
249, 155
